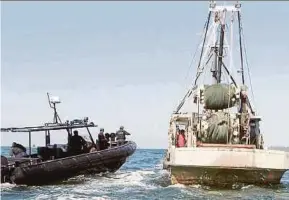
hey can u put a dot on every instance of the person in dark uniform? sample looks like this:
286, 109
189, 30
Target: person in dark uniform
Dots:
120, 136
107, 137
77, 143
17, 150
103, 143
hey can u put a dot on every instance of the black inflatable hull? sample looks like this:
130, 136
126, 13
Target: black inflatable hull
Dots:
109, 160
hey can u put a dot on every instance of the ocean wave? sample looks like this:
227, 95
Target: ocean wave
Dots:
140, 181
6, 186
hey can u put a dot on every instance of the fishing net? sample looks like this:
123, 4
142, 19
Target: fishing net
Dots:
219, 96
218, 129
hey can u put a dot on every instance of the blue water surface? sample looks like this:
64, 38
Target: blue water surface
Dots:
141, 178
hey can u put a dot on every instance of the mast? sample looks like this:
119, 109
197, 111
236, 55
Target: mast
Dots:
241, 49
220, 57
216, 53
215, 41
216, 49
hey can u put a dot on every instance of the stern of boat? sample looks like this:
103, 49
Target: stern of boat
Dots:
224, 176
226, 166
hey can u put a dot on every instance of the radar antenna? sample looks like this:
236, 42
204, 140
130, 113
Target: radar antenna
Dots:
53, 100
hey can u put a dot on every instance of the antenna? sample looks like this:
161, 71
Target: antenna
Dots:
53, 100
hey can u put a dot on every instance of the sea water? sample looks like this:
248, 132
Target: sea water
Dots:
140, 178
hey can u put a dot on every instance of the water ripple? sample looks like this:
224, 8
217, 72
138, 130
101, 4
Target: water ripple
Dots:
141, 178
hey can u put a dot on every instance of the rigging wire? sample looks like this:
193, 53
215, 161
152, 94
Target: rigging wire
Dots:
246, 60
202, 51
194, 55
204, 34
230, 50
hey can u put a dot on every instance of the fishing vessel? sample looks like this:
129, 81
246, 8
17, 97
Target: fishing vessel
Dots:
214, 135
57, 162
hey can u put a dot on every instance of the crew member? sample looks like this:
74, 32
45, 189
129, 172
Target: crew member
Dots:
17, 150
181, 140
112, 139
103, 144
77, 143
120, 136
88, 145
107, 137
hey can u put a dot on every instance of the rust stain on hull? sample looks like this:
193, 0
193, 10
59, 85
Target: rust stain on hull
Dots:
216, 176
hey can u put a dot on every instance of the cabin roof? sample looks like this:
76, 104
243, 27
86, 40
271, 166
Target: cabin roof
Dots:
49, 127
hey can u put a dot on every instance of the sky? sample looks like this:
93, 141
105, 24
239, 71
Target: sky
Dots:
127, 63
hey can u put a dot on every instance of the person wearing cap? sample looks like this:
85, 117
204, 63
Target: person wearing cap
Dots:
77, 143
120, 136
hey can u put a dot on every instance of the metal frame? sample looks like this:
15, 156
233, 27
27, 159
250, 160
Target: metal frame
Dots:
47, 129
56, 125
218, 39
217, 48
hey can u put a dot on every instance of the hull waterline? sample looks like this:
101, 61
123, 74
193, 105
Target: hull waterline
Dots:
225, 166
221, 176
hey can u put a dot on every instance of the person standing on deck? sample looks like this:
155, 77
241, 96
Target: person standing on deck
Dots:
77, 143
102, 140
120, 136
107, 137
181, 139
112, 139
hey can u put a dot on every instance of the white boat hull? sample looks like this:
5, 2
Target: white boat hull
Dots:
226, 166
